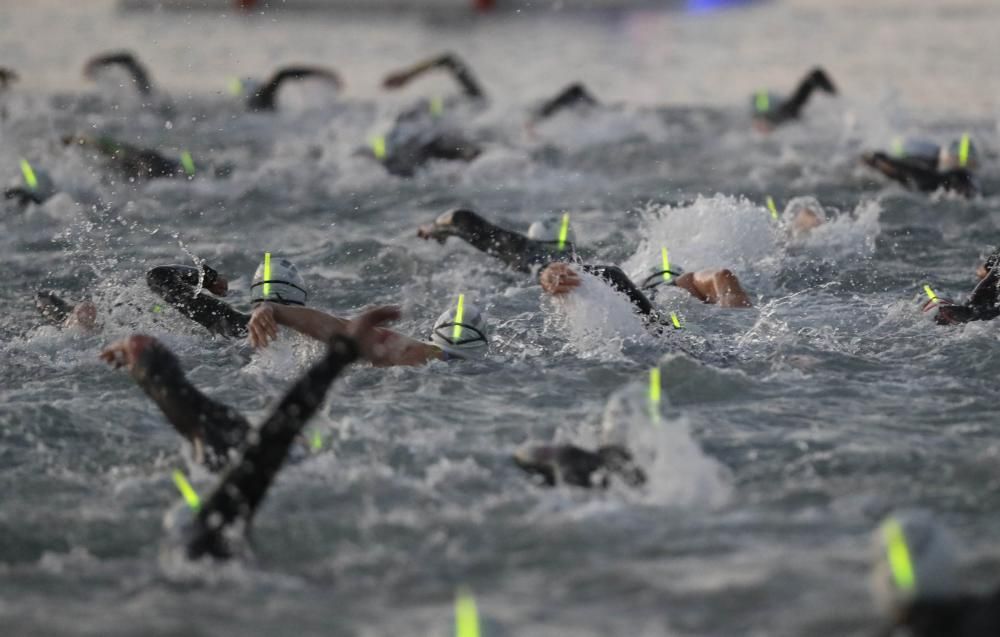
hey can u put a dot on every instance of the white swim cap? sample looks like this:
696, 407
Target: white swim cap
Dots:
244, 86
763, 102
283, 283
915, 148
799, 204
550, 230
915, 558
464, 338
961, 153
659, 276
36, 181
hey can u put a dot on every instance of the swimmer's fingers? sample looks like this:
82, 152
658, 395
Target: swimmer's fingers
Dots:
114, 354
432, 231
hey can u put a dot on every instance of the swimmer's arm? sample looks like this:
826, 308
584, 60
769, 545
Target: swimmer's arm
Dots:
450, 62
568, 97
397, 349
242, 489
514, 249
126, 60
985, 294
617, 279
158, 372
266, 98
176, 285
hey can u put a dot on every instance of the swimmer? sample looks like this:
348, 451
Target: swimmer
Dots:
124, 60
263, 96
256, 458
983, 303
410, 146
917, 586
519, 252
571, 465
952, 172
770, 110
802, 215
178, 285
451, 339
61, 313
137, 163
35, 186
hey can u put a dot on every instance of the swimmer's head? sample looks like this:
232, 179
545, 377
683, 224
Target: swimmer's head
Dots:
282, 285
550, 230
659, 276
464, 338
914, 559
243, 86
762, 103
36, 181
960, 153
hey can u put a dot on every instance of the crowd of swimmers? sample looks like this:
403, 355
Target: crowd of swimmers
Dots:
915, 572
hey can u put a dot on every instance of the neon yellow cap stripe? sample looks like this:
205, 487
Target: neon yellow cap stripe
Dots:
564, 231
896, 147
316, 442
456, 332
930, 293
29, 175
187, 162
267, 274
437, 106
187, 491
899, 555
235, 87
378, 146
963, 151
762, 102
773, 208
654, 394
466, 615
676, 321
666, 264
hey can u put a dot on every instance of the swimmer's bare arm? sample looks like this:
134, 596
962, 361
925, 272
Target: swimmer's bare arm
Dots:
450, 62
715, 286
396, 349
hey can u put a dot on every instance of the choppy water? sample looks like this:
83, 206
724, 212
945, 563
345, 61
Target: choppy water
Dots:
792, 429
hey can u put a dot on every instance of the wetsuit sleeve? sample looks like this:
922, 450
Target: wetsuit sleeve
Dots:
983, 300
570, 96
265, 99
908, 173
243, 487
514, 249
194, 415
22, 195
617, 279
463, 75
792, 107
127, 61
176, 285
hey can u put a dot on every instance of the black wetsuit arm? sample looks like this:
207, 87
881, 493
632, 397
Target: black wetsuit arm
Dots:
194, 415
128, 62
617, 279
514, 249
22, 195
265, 99
909, 173
176, 284
242, 489
792, 107
451, 63
984, 297
570, 96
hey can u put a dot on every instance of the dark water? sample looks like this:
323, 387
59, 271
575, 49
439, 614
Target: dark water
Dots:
790, 428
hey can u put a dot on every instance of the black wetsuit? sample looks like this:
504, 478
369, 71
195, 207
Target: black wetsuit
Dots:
242, 488
176, 284
983, 303
917, 174
965, 616
791, 108
52, 308
570, 97
128, 62
568, 464
217, 429
131, 161
265, 98
24, 195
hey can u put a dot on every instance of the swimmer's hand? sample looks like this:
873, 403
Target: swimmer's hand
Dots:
433, 231
365, 331
125, 353
396, 80
263, 326
219, 286
559, 278
84, 316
